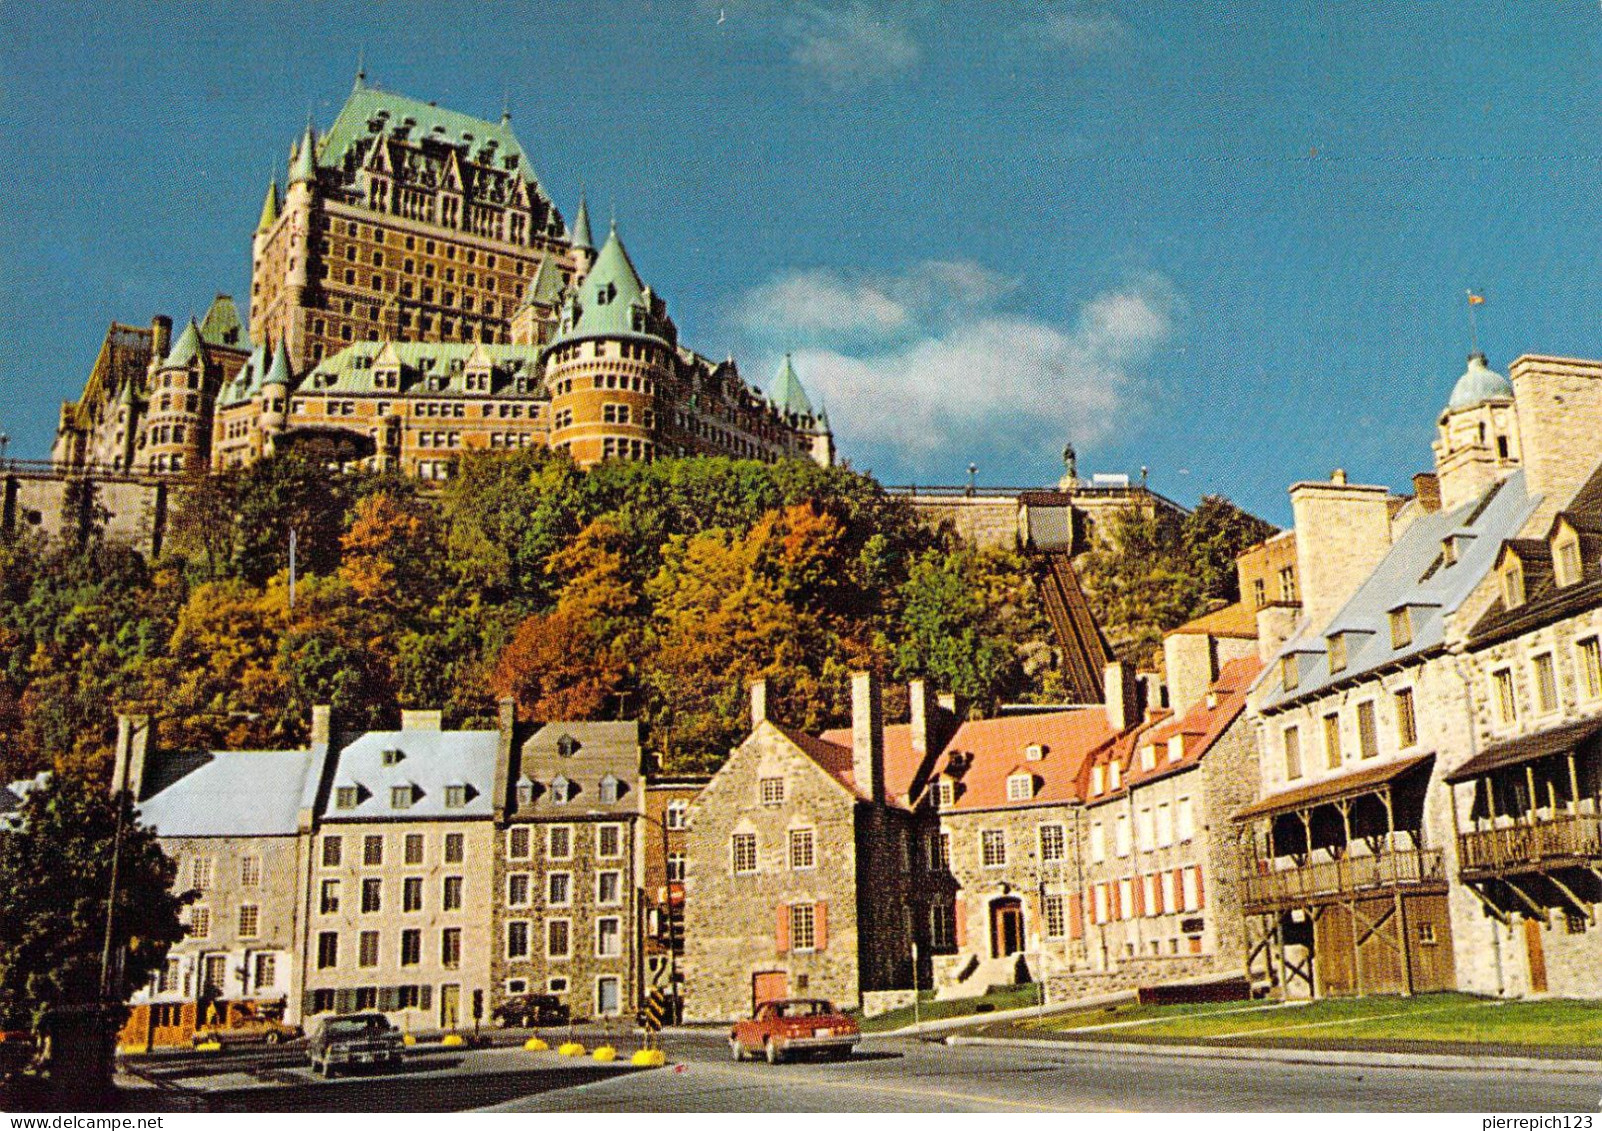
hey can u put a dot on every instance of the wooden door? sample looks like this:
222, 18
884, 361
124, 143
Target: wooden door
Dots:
450, 1006
769, 985
1537, 955
1006, 927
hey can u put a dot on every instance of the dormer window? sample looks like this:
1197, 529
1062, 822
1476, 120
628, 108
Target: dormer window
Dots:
402, 796
1148, 756
946, 793
525, 791
1176, 747
561, 790
1401, 627
610, 790
1290, 675
392, 757
1212, 700
1449, 551
567, 746
1567, 567
346, 797
1020, 787
1513, 583
1098, 780
1034, 752
456, 796
1337, 652
1115, 774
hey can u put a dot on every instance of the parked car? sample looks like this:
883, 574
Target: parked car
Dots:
247, 1030
780, 1029
354, 1039
528, 1010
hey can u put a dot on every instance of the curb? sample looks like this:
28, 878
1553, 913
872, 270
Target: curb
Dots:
1302, 1056
972, 1020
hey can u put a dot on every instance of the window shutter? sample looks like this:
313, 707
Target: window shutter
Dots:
781, 933
425, 997
820, 926
1137, 891
1114, 911
961, 917
308, 1004
345, 1001
388, 998
1201, 900
1075, 910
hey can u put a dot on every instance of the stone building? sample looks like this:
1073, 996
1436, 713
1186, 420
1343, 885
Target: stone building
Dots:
400, 900
1368, 710
1160, 872
665, 835
568, 804
236, 824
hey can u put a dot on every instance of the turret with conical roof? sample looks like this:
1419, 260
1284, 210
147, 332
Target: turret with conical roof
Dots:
1478, 434
304, 168
788, 394
583, 243
612, 302
186, 349
269, 207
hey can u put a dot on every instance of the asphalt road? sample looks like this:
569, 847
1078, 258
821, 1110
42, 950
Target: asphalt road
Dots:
885, 1075
912, 1076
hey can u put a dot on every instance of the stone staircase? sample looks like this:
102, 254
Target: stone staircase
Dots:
977, 975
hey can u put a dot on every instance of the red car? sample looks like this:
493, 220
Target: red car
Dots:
794, 1025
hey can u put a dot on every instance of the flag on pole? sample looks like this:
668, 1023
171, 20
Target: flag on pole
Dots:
1474, 299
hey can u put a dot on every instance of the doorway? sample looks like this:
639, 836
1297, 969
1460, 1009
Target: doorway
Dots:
1006, 926
769, 985
450, 1006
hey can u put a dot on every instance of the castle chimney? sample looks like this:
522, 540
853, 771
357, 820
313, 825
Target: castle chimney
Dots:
1343, 530
133, 746
160, 338
1191, 661
867, 735
920, 713
759, 703
1123, 696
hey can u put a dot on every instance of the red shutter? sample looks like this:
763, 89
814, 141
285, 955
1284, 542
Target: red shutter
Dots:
1075, 910
1156, 894
820, 926
1137, 888
959, 914
1201, 900
781, 934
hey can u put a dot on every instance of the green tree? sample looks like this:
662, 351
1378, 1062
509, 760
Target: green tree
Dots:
1213, 536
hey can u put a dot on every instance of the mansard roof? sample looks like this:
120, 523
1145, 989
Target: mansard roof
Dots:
351, 369
369, 111
247, 382
428, 761
1413, 573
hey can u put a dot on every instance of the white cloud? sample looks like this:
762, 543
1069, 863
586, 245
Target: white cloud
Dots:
1080, 33
957, 385
820, 303
847, 46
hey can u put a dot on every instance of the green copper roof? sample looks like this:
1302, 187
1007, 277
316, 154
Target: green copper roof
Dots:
222, 325
269, 207
278, 372
305, 164
351, 369
186, 348
367, 103
1478, 383
581, 227
787, 392
609, 298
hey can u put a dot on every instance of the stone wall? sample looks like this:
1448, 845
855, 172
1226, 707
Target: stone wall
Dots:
876, 1002
119, 508
1559, 403
979, 519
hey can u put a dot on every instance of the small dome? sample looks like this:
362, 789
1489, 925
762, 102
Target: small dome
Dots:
1479, 383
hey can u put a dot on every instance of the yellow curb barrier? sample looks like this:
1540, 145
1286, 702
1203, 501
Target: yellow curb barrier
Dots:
534, 1044
408, 1040
208, 1046
453, 1041
649, 1058
605, 1054
571, 1048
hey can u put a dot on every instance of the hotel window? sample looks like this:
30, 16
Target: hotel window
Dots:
1056, 917
608, 937
772, 790
450, 947
200, 873
939, 852
455, 843
372, 895
1293, 753
1020, 787
803, 926
249, 921
413, 848
1259, 592
1406, 720
1401, 628
801, 848
558, 938
1187, 819
328, 901
401, 796
1115, 774
455, 796
743, 852
250, 871
1149, 890
1126, 899
327, 950
411, 948
1546, 695
1367, 730
1506, 705
372, 851
1166, 882
1099, 898
1053, 843
266, 970
451, 894
412, 893
946, 793
942, 928
517, 938
608, 888
1148, 756
1591, 667
559, 842
1190, 881
676, 816
1287, 584
675, 867
517, 842
1145, 830
559, 888
367, 951
609, 841
993, 847
1332, 741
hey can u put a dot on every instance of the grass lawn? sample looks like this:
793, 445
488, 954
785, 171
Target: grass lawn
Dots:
1009, 997
1449, 1017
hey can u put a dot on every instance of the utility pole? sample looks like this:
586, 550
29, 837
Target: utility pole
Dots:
292, 539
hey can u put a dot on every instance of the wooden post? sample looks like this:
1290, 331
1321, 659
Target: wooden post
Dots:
1574, 786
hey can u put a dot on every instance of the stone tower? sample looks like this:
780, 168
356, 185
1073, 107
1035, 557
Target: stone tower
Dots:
1478, 441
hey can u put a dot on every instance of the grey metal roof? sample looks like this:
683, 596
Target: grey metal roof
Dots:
229, 793
597, 750
1415, 574
429, 761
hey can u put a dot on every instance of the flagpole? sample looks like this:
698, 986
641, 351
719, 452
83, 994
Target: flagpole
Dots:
1474, 327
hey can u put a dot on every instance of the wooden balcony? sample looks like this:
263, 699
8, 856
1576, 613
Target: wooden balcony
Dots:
1563, 840
1413, 869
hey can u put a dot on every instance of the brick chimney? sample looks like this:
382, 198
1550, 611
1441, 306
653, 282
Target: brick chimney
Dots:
133, 747
1342, 531
1427, 489
759, 703
867, 735
1123, 696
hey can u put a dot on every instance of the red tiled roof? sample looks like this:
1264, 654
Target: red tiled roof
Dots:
1235, 620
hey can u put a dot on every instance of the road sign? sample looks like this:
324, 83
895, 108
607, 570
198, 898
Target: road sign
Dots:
654, 1012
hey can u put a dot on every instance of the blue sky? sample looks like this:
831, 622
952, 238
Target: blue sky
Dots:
1228, 242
